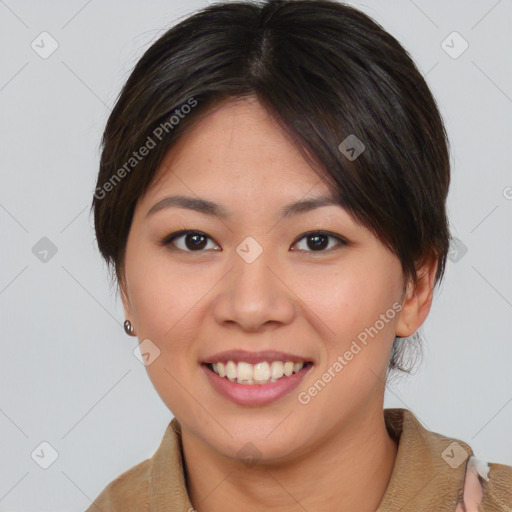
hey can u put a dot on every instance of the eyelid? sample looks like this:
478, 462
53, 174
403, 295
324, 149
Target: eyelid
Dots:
167, 240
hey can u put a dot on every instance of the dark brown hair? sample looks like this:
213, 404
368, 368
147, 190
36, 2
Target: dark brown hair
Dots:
325, 71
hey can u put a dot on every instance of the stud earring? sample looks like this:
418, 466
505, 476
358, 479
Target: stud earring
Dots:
128, 328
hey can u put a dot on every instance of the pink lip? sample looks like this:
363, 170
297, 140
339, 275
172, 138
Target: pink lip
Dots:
254, 357
255, 394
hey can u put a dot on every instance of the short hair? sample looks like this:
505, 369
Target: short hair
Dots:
329, 75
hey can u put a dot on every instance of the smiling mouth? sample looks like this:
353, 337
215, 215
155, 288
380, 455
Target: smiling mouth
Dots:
260, 373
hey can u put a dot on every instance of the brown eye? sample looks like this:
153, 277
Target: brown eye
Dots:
318, 241
188, 241
197, 241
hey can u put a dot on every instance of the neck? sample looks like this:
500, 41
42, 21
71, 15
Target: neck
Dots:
349, 471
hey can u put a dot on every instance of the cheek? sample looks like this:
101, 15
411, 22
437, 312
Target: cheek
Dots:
355, 304
163, 302
163, 294
344, 297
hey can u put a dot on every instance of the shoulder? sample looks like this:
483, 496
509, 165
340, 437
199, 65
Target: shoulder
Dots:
487, 487
497, 489
155, 483
438, 472
129, 491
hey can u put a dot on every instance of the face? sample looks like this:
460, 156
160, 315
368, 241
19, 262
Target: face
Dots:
312, 286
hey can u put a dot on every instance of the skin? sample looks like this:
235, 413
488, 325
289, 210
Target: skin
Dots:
333, 453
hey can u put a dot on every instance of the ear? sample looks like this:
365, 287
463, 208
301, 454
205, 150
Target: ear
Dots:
123, 290
417, 301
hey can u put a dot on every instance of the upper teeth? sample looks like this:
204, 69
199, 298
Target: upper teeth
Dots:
260, 373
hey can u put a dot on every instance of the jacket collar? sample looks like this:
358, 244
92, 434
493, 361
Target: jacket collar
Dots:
429, 468
428, 473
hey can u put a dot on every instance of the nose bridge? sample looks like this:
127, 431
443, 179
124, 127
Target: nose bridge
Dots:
252, 294
252, 278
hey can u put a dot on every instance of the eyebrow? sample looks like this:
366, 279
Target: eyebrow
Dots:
210, 208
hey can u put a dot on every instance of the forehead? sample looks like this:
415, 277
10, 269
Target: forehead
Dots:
237, 148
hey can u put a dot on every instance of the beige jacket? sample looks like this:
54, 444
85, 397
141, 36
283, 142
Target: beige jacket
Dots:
428, 476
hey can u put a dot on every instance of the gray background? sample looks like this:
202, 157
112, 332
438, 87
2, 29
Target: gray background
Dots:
68, 372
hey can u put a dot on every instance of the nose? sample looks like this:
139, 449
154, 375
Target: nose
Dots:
254, 295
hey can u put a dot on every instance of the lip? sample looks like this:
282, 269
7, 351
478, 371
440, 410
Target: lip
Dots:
254, 357
255, 394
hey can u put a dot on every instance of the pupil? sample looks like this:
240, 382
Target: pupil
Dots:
195, 245
318, 242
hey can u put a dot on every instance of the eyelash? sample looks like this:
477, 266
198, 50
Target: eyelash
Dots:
169, 239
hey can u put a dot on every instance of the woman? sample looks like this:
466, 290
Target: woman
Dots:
271, 198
